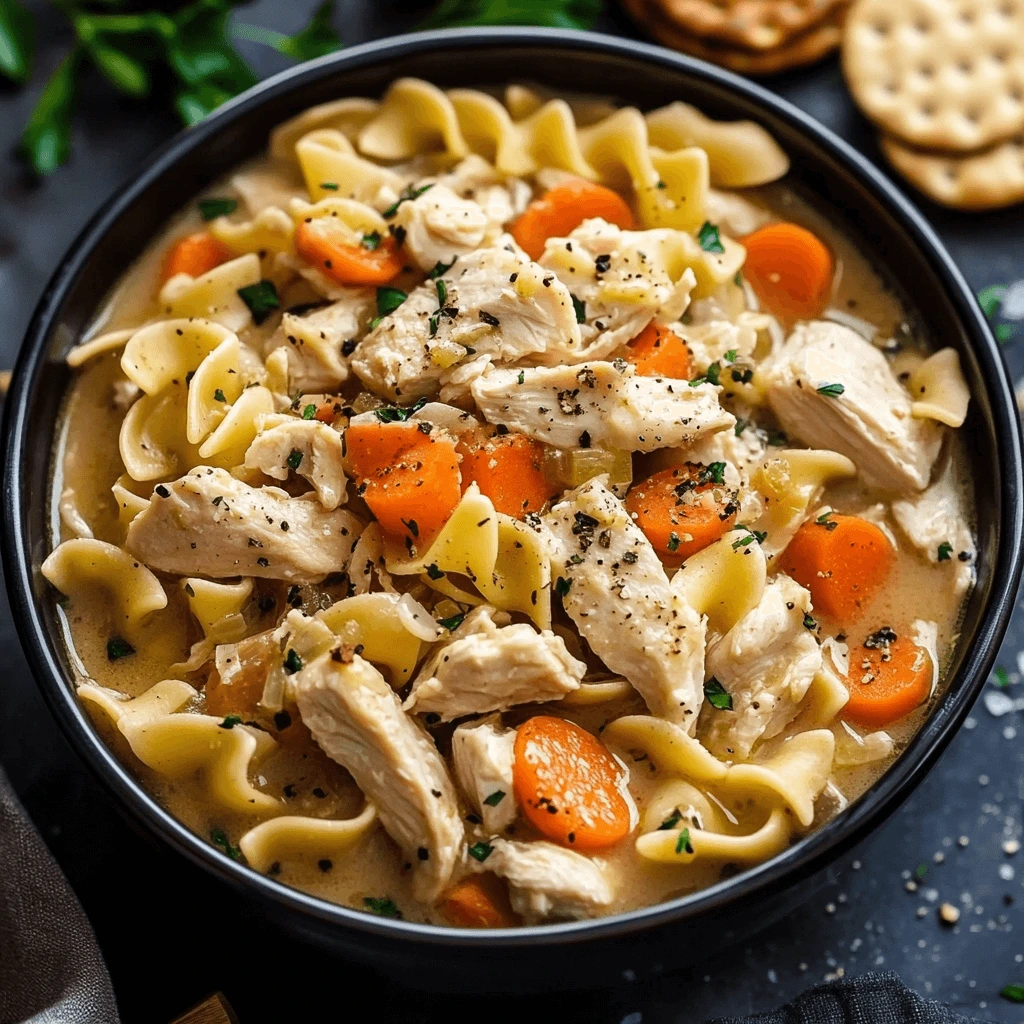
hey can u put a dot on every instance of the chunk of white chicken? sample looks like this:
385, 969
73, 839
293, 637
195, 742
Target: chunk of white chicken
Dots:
733, 213
209, 524
502, 199
440, 226
869, 420
494, 301
483, 755
308, 448
622, 280
766, 663
317, 343
599, 403
488, 668
936, 523
357, 720
547, 881
614, 588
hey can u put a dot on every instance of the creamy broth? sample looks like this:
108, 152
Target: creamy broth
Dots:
88, 464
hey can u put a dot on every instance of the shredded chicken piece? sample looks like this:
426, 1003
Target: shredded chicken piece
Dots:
312, 450
483, 755
440, 226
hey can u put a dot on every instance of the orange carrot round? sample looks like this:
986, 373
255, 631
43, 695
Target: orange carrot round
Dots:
888, 679
565, 207
343, 262
842, 560
195, 255
658, 352
509, 469
410, 480
479, 901
790, 269
683, 509
569, 785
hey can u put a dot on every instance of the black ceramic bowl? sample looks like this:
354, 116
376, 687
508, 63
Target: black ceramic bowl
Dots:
833, 175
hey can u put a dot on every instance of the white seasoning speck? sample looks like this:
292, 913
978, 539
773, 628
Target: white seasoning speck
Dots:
830, 908
855, 865
939, 858
1006, 872
773, 977
922, 911
962, 842
983, 780
1009, 733
1011, 846
971, 723
949, 914
911, 886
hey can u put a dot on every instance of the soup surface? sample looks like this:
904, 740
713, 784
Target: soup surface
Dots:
494, 510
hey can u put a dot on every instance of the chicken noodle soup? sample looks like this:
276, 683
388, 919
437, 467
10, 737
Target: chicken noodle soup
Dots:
488, 512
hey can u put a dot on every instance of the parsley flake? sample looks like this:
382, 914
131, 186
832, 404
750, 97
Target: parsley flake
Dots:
811, 623
230, 721
292, 662
481, 851
495, 798
309, 411
211, 209
219, 838
671, 821
562, 586
1001, 677
831, 390
945, 550
717, 695
407, 194
117, 648
453, 622
1013, 993
580, 307
382, 906
294, 459
370, 241
218, 396
683, 842
261, 298
439, 269
709, 239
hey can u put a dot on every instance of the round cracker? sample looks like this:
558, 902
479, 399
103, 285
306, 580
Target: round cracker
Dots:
751, 24
942, 74
987, 180
806, 48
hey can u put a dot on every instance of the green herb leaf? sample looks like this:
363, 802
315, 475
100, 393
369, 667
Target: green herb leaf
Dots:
683, 842
920, 871
407, 194
309, 411
730, 356
712, 473
1013, 993
46, 141
17, 41
219, 396
1001, 678
316, 39
452, 623
230, 721
548, 13
562, 586
389, 299
117, 648
709, 239
398, 414
439, 269
831, 390
219, 838
1004, 332
521, 378
261, 298
120, 69
673, 541
671, 821
481, 851
211, 209
810, 622
294, 459
370, 241
292, 662
991, 298
741, 425
945, 550
580, 307
717, 695
382, 906
495, 798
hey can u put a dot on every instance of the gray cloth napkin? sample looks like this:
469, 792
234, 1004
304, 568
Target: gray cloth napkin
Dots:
870, 999
51, 970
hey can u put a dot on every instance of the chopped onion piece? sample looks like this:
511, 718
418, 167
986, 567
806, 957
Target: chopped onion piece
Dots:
864, 328
574, 466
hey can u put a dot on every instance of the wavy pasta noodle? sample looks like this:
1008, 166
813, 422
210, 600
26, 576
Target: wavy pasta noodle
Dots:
299, 838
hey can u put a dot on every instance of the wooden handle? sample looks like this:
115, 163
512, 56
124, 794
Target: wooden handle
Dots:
215, 1010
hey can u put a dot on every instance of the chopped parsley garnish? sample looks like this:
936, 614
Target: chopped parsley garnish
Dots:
673, 541
945, 550
562, 586
826, 520
292, 662
743, 542
671, 821
730, 356
831, 390
522, 377
1013, 993
219, 838
717, 695
117, 648
261, 298
741, 425
218, 396
709, 239
481, 851
408, 193
810, 622
230, 721
309, 411
920, 871
777, 439
388, 300
294, 459
738, 279
1001, 677
434, 573
442, 292
439, 269
580, 307
712, 473
370, 241
713, 376
382, 906
495, 798
683, 842
452, 623
331, 186
398, 414
211, 209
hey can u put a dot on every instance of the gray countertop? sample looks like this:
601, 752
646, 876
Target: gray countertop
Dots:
171, 935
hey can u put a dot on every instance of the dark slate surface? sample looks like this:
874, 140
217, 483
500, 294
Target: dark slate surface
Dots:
171, 936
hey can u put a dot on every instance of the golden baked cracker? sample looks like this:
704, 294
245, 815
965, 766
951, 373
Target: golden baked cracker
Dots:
942, 74
986, 180
805, 48
751, 24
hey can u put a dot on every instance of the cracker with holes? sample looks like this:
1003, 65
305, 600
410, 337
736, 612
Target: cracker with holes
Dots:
940, 74
754, 24
986, 180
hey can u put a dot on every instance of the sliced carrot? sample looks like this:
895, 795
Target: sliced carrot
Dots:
569, 785
683, 509
658, 352
479, 901
887, 679
317, 244
790, 269
195, 255
409, 479
509, 469
842, 560
564, 208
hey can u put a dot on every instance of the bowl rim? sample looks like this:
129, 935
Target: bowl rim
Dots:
805, 857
